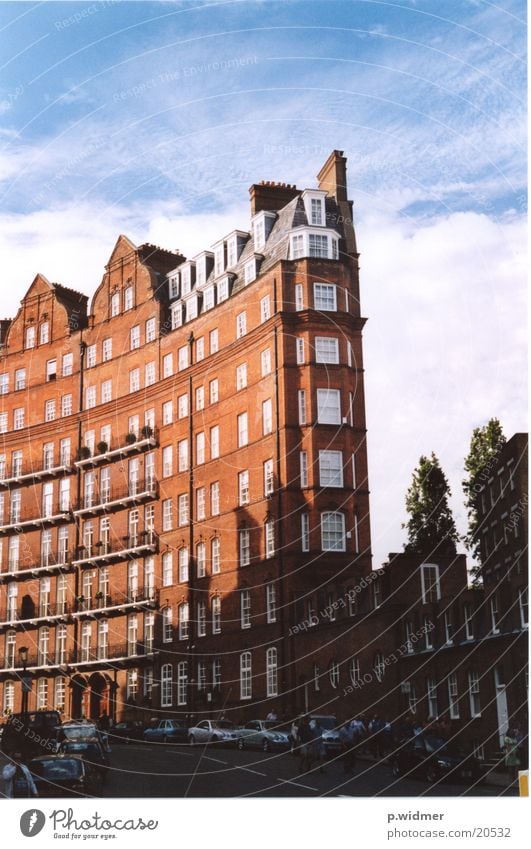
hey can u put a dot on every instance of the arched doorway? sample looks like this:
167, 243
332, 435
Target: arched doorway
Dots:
99, 695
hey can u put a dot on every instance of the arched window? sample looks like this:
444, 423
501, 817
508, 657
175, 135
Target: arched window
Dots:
379, 665
166, 685
333, 673
216, 614
215, 551
272, 672
183, 565
246, 686
182, 682
167, 629
354, 670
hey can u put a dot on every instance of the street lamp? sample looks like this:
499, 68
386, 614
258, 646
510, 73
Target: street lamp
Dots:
23, 653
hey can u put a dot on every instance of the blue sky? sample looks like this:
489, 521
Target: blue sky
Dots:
154, 118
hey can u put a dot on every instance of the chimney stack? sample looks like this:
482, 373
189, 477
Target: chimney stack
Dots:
271, 196
333, 176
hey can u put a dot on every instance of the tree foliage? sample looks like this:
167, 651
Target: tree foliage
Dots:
482, 459
431, 527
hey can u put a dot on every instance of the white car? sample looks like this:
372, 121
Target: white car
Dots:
213, 731
263, 734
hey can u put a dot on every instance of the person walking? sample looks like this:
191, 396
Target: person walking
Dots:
347, 736
305, 737
317, 744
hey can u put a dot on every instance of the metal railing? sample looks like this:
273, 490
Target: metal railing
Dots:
106, 551
107, 498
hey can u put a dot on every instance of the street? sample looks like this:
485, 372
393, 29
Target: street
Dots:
212, 771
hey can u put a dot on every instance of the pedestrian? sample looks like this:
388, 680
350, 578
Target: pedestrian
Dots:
387, 737
305, 737
512, 758
375, 740
347, 735
294, 735
272, 716
317, 744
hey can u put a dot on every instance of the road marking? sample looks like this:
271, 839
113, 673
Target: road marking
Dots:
297, 783
246, 768
216, 760
172, 752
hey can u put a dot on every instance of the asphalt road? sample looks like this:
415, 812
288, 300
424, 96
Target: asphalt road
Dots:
151, 770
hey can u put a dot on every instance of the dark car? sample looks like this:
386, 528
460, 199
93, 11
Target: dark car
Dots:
60, 775
124, 732
434, 759
166, 731
90, 750
31, 733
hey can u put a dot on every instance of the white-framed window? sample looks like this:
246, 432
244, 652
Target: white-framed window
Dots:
176, 314
183, 509
44, 333
428, 644
134, 337
301, 405
106, 391
303, 468
182, 358
66, 405
209, 299
4, 383
182, 455
265, 362
305, 532
115, 304
430, 583
184, 561
272, 672
297, 247
167, 514
267, 416
241, 376
214, 391
3, 422
214, 498
30, 337
468, 618
523, 605
448, 628
494, 618
331, 468
431, 698
200, 349
329, 406
354, 671
215, 555
167, 625
244, 540
134, 380
8, 704
213, 337
316, 211
241, 325
182, 406
379, 665
149, 374
129, 298
269, 478
214, 442
49, 410
131, 687
242, 429
106, 350
167, 412
249, 270
325, 296
333, 674
474, 696
91, 356
271, 603
19, 415
59, 699
269, 530
246, 676
299, 297
326, 350
184, 621
200, 448
318, 246
42, 691
201, 619
453, 696
166, 685
216, 614
182, 682
167, 569
167, 461
20, 375
167, 365
200, 554
299, 351
245, 608
200, 503
333, 531
51, 370
265, 308
243, 487
151, 329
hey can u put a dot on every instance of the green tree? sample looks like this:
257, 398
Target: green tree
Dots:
485, 446
431, 527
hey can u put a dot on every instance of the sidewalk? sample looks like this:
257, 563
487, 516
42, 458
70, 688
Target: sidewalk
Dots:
492, 775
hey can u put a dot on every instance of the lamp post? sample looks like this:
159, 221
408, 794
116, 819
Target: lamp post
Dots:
23, 653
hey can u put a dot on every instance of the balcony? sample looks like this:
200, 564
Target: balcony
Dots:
24, 520
45, 611
50, 564
111, 499
132, 546
106, 605
85, 656
29, 473
133, 444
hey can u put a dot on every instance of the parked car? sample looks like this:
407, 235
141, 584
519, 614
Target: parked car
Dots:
167, 731
31, 733
82, 729
124, 732
433, 759
213, 731
263, 734
59, 775
91, 750
330, 736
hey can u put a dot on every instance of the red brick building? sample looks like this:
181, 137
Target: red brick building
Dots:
183, 471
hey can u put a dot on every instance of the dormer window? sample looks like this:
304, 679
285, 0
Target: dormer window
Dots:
306, 242
232, 251
191, 308
208, 298
203, 267
219, 259
314, 206
176, 316
316, 212
223, 289
173, 287
297, 246
249, 270
186, 279
262, 225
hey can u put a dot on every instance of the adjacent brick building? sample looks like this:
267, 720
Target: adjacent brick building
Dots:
183, 465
